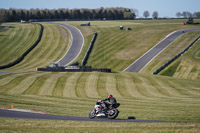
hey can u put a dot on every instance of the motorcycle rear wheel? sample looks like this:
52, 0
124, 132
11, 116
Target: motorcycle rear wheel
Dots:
114, 114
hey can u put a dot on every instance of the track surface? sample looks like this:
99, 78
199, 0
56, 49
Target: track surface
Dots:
27, 115
140, 63
76, 46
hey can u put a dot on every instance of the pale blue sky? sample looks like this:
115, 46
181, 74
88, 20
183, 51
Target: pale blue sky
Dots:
165, 8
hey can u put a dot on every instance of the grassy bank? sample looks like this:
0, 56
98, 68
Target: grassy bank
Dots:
141, 96
41, 126
117, 49
16, 40
187, 66
53, 45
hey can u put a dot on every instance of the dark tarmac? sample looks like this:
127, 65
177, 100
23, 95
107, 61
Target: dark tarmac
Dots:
76, 45
28, 115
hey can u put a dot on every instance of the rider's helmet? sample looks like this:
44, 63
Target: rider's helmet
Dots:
109, 96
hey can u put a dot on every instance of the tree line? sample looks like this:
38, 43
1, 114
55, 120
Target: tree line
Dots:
14, 15
187, 14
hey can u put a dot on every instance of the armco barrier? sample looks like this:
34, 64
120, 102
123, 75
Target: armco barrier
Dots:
18, 60
174, 58
84, 61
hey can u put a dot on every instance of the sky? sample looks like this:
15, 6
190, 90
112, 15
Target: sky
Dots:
165, 8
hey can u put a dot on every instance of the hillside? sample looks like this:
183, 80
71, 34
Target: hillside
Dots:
142, 95
187, 66
53, 45
117, 49
16, 40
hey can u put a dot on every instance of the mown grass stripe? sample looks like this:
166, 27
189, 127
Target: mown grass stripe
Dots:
101, 85
48, 86
80, 86
131, 86
91, 86
164, 90
59, 86
5, 88
69, 90
185, 91
35, 87
147, 84
121, 86
24, 85
111, 85
4, 79
172, 88
139, 85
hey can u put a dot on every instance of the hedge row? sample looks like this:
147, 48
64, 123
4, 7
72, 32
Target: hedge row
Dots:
175, 57
18, 60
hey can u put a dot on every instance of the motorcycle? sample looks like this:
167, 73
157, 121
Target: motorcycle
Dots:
111, 112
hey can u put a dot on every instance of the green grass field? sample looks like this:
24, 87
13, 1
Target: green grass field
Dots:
41, 126
53, 45
16, 40
118, 49
142, 95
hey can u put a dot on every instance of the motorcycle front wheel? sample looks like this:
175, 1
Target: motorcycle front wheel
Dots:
92, 114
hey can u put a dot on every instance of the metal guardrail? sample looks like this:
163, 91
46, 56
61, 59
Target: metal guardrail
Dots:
175, 57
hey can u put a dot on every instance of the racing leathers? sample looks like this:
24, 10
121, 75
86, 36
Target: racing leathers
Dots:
111, 100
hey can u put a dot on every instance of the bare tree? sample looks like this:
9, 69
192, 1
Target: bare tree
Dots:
135, 11
155, 15
178, 14
146, 14
187, 14
196, 15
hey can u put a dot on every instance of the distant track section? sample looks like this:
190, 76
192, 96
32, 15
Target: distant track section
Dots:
76, 46
146, 58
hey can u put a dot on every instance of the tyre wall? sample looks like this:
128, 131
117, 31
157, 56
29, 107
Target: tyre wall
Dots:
84, 61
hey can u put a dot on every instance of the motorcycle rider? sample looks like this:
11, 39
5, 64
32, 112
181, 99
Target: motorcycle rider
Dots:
111, 100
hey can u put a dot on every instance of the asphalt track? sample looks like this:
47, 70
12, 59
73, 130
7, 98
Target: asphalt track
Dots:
28, 115
141, 62
76, 46
5, 27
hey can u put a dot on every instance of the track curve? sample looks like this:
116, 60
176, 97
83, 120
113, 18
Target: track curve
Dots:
76, 45
146, 58
28, 115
